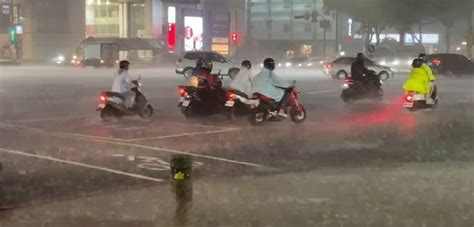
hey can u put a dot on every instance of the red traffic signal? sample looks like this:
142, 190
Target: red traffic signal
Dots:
234, 37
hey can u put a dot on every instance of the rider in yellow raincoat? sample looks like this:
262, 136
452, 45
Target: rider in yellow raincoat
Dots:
418, 79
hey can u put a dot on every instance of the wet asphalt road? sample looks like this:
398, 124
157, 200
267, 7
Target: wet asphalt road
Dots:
53, 146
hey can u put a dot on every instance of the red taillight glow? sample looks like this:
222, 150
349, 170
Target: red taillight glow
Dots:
182, 92
436, 62
347, 81
102, 98
230, 96
328, 65
409, 97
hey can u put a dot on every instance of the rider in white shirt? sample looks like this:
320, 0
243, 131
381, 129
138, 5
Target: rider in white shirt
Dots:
243, 80
122, 84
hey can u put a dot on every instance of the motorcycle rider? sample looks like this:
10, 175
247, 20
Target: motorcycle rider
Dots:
267, 83
203, 69
361, 74
122, 84
358, 68
418, 79
431, 77
243, 80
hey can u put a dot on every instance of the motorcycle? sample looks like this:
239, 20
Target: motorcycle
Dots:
238, 103
264, 108
199, 100
112, 104
353, 91
415, 101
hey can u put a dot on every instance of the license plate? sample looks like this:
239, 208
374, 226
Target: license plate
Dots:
230, 103
186, 103
408, 104
101, 106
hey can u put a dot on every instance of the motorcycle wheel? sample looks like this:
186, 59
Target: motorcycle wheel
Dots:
147, 112
186, 111
346, 97
298, 115
257, 116
106, 113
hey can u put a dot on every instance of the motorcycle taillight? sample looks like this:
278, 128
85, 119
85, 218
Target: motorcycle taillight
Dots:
409, 97
102, 98
182, 92
230, 95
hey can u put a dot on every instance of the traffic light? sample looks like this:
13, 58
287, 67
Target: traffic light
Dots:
12, 35
234, 37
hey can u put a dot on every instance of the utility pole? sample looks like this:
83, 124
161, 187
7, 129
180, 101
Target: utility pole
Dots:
470, 33
323, 24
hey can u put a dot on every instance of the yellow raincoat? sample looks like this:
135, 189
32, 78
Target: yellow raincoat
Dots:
418, 81
428, 70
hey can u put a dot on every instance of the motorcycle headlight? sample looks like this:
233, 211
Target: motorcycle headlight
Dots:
61, 58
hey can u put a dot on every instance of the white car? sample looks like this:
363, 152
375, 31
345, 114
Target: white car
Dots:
221, 64
341, 68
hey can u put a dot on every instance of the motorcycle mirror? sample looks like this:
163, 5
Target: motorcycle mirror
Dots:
294, 82
139, 77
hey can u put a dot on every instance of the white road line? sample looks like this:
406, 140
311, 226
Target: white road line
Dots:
198, 125
319, 92
62, 135
49, 118
81, 165
183, 135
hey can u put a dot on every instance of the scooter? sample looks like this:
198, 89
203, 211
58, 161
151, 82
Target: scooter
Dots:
200, 100
112, 104
238, 103
415, 101
264, 108
353, 91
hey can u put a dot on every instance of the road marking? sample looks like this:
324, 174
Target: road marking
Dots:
81, 165
9, 126
319, 92
199, 125
183, 135
49, 119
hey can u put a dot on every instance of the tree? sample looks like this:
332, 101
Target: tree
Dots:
447, 12
368, 12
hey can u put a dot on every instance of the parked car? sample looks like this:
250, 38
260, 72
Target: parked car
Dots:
341, 68
450, 64
221, 63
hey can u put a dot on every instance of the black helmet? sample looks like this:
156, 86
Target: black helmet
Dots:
422, 56
269, 64
360, 57
199, 62
124, 64
247, 64
417, 63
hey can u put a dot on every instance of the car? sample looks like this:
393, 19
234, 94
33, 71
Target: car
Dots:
221, 64
340, 68
450, 64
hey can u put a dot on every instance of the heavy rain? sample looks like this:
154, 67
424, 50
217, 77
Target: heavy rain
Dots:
236, 113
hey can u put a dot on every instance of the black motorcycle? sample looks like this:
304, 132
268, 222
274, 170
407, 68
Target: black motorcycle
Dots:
200, 100
112, 104
369, 88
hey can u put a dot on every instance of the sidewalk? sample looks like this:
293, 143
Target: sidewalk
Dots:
400, 195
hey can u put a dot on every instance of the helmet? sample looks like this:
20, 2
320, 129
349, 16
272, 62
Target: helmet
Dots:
422, 56
124, 64
207, 65
247, 64
269, 64
417, 63
199, 62
360, 57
